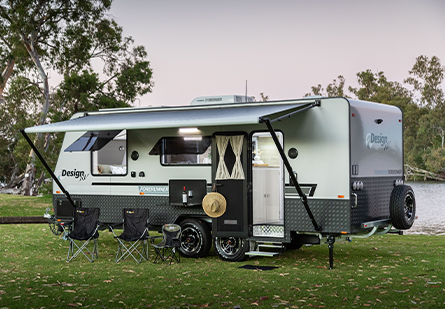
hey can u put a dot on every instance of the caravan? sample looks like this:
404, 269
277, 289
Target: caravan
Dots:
240, 174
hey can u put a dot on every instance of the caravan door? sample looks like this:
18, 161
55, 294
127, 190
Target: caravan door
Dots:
229, 174
267, 186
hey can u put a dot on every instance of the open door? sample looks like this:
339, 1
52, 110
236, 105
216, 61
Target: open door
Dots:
267, 186
229, 173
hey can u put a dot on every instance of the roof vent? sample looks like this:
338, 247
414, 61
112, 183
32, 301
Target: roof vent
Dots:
222, 99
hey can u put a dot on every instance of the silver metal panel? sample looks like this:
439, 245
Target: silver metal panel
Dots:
268, 231
376, 139
332, 215
373, 200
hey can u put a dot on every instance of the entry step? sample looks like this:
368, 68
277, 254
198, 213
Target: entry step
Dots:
270, 246
261, 253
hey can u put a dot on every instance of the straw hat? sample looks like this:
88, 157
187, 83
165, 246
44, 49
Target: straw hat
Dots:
214, 204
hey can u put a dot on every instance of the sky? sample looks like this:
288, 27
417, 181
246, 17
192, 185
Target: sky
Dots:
281, 47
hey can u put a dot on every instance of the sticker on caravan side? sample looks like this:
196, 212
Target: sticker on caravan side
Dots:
81, 175
160, 190
377, 140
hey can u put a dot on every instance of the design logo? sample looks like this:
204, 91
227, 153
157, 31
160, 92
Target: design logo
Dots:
75, 174
378, 140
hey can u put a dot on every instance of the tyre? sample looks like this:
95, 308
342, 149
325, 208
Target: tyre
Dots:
231, 249
196, 238
402, 207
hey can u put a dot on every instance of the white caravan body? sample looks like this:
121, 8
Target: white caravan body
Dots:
346, 156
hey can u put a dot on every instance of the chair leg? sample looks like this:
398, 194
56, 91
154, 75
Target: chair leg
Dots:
160, 255
81, 249
132, 249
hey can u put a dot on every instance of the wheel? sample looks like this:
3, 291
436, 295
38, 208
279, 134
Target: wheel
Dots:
196, 239
231, 249
402, 207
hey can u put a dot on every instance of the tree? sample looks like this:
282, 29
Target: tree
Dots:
334, 89
65, 37
264, 97
427, 77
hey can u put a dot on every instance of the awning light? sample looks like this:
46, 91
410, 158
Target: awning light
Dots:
188, 130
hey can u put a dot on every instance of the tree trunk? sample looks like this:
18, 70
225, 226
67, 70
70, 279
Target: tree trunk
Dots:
15, 180
39, 184
30, 169
6, 74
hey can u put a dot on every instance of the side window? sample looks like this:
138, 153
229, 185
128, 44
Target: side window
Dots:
111, 159
193, 150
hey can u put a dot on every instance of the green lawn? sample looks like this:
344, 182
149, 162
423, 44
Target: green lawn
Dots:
389, 271
17, 205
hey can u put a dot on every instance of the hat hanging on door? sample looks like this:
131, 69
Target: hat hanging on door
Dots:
214, 204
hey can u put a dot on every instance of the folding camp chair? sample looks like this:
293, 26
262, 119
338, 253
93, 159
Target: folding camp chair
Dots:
168, 248
84, 230
135, 234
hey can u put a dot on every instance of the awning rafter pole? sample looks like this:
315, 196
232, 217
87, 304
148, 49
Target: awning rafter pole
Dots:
290, 171
53, 176
306, 107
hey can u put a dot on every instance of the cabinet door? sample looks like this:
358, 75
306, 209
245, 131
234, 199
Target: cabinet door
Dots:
259, 185
273, 194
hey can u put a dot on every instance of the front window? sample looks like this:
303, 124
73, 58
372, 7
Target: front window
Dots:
184, 150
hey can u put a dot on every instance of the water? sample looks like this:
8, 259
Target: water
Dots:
430, 208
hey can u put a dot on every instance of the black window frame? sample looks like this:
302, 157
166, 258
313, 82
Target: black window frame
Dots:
157, 150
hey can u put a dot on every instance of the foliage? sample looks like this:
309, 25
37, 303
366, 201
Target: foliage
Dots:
435, 160
70, 39
334, 89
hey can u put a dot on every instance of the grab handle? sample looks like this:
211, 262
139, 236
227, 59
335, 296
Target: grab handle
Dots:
356, 199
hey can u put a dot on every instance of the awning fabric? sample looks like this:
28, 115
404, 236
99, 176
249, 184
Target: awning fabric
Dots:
167, 118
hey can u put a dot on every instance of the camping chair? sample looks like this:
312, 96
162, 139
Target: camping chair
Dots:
135, 234
84, 230
168, 247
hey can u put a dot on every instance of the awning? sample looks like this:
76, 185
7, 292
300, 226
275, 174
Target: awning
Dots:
168, 118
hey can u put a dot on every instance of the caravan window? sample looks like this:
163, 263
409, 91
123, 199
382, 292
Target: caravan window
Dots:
184, 150
111, 159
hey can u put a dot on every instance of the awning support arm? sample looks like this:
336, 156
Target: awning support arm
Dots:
53, 176
290, 171
305, 107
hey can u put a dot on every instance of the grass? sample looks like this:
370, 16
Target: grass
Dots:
387, 271
26, 206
